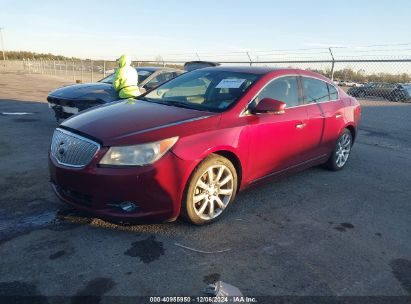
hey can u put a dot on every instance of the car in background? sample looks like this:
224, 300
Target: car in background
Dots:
365, 90
195, 65
70, 100
347, 83
402, 93
188, 146
390, 91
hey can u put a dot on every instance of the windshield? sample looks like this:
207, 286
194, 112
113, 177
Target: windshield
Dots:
143, 74
212, 90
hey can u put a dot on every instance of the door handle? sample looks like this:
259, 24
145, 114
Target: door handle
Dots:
338, 116
301, 125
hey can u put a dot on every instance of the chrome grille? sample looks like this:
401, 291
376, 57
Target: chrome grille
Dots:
72, 150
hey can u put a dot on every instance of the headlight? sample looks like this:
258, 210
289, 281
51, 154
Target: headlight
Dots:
138, 155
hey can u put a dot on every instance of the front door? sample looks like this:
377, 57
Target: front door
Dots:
279, 141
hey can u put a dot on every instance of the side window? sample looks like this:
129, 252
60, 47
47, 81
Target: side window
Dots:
159, 79
284, 89
315, 90
332, 91
175, 74
168, 76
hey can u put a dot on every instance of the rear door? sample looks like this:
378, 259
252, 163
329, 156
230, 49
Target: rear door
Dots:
315, 93
332, 110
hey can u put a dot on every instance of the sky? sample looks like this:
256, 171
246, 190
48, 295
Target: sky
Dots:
146, 29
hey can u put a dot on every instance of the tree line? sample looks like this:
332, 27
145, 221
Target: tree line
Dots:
360, 76
20, 55
347, 74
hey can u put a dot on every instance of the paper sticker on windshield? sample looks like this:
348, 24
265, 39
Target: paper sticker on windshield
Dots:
143, 73
233, 83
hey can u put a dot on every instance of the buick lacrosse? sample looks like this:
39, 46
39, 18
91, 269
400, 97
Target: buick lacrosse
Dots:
189, 146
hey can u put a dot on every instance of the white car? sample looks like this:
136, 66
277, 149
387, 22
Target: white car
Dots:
347, 83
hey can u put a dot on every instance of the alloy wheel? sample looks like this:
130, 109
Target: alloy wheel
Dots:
213, 192
343, 150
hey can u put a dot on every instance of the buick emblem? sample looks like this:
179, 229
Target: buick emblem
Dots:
62, 149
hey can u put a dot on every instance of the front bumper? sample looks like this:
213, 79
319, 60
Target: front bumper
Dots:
64, 108
156, 189
63, 111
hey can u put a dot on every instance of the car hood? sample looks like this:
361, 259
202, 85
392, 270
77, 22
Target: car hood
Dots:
135, 121
86, 91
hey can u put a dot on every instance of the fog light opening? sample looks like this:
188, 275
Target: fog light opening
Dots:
125, 206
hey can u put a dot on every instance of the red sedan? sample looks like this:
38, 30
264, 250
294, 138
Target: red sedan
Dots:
187, 147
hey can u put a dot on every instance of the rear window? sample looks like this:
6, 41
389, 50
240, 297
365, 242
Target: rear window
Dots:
142, 75
332, 91
315, 90
195, 65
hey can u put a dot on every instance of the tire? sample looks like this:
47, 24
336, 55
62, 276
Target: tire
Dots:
341, 152
205, 199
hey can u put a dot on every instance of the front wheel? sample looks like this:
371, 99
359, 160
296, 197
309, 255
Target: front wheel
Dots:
341, 152
210, 190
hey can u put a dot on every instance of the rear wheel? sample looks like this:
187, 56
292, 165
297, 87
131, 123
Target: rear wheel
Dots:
341, 153
210, 190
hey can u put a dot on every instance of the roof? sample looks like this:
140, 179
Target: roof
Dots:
153, 68
245, 69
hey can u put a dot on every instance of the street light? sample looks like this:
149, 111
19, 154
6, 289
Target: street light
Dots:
2, 43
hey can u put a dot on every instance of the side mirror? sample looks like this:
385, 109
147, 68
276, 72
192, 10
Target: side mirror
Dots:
269, 105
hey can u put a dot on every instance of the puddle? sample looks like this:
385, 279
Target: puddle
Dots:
147, 250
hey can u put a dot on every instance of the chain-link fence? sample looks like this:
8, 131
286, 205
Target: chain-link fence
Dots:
382, 78
70, 70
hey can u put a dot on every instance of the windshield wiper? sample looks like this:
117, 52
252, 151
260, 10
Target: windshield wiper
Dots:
182, 104
174, 103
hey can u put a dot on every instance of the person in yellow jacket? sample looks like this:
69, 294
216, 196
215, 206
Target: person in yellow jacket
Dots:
126, 79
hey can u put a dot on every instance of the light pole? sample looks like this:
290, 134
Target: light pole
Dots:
2, 43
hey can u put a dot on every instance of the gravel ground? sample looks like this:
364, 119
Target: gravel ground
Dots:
316, 233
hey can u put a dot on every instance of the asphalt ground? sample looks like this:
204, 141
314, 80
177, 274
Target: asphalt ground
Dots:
315, 233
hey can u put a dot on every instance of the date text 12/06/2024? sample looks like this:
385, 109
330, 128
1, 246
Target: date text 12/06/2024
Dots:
219, 299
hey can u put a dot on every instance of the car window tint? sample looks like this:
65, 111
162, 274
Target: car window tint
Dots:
214, 90
108, 79
284, 89
168, 76
159, 79
332, 91
315, 90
